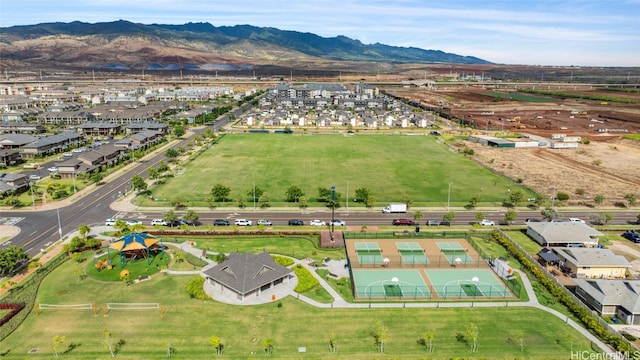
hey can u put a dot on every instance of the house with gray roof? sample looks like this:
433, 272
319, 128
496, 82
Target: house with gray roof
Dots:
245, 274
563, 234
13, 183
612, 297
52, 144
592, 263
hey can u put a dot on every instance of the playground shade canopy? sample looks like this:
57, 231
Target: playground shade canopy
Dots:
134, 243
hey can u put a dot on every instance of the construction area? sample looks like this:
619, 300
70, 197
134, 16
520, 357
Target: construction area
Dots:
603, 163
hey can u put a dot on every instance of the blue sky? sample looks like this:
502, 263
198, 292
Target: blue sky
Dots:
532, 32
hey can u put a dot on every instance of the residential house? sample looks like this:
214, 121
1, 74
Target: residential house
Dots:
13, 184
620, 298
563, 233
592, 263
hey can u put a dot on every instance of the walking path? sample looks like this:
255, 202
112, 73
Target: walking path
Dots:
338, 268
286, 289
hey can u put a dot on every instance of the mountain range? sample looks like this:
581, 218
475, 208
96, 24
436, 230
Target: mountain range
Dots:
124, 45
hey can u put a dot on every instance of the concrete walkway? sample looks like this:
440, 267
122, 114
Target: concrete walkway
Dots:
286, 289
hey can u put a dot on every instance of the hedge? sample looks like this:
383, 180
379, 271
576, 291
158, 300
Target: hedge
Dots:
556, 291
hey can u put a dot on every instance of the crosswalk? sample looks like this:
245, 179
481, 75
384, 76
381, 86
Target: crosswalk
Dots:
10, 220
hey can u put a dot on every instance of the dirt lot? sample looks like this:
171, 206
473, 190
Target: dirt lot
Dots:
607, 166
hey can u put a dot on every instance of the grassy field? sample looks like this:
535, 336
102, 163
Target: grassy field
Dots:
390, 166
187, 325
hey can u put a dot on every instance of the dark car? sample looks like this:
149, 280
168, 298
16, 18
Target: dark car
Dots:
220, 222
296, 222
631, 235
529, 220
403, 222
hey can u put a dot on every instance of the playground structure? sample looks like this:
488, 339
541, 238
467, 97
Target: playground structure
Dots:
134, 246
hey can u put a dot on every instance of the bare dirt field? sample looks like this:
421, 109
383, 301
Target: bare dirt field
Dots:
608, 165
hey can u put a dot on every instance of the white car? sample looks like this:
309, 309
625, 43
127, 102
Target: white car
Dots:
53, 169
317, 223
576, 220
337, 222
265, 222
487, 222
34, 177
159, 222
243, 222
133, 222
110, 222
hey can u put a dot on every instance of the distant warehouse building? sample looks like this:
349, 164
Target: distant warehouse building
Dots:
503, 142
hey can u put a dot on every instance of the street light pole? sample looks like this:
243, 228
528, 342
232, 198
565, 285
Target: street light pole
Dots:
33, 198
333, 208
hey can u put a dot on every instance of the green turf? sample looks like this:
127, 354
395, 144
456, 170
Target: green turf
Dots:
389, 166
188, 324
392, 290
471, 290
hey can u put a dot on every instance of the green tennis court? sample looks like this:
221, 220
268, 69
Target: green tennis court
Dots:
412, 253
382, 284
455, 253
368, 253
467, 283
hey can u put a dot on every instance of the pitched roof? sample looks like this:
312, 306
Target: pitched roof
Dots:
592, 257
564, 231
246, 272
624, 293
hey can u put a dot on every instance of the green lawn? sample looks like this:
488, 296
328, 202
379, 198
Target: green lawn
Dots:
187, 325
390, 166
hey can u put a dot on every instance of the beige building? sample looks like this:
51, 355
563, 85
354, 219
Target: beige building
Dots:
592, 263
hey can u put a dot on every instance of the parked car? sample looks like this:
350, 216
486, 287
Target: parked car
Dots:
34, 177
317, 223
433, 222
133, 222
159, 222
243, 222
53, 169
577, 220
631, 235
487, 222
532, 220
403, 222
67, 154
220, 222
110, 222
264, 222
445, 223
337, 222
296, 222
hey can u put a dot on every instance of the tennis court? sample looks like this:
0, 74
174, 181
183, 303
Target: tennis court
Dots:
463, 283
383, 284
455, 253
368, 253
412, 253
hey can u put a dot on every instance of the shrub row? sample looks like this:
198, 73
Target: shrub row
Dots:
306, 281
580, 312
15, 308
194, 260
282, 260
